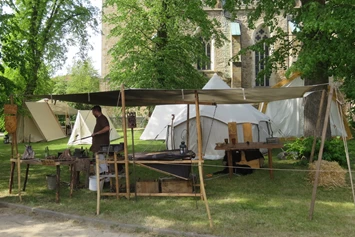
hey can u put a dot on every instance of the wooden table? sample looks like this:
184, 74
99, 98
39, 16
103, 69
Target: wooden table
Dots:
44, 162
248, 146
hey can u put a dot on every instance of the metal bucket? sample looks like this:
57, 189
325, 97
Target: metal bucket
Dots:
51, 181
92, 183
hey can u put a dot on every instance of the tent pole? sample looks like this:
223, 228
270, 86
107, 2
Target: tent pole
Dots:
124, 127
346, 147
187, 127
317, 127
199, 140
320, 154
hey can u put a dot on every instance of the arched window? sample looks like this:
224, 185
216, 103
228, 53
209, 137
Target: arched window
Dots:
261, 57
205, 64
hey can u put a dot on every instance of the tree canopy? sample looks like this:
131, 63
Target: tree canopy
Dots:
159, 42
82, 78
323, 36
37, 35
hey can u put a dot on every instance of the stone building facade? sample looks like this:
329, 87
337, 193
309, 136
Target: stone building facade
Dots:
239, 73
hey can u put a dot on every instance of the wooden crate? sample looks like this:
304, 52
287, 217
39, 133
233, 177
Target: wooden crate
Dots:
255, 164
149, 186
176, 186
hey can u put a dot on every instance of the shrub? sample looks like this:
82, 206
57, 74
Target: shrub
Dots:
333, 149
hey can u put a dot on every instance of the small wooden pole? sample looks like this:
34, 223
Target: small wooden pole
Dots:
199, 136
124, 127
317, 127
98, 190
346, 149
188, 127
320, 154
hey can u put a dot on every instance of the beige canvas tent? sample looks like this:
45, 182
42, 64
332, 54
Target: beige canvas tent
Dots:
38, 124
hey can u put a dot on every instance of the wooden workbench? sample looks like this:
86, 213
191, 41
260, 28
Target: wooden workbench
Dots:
248, 146
44, 162
146, 160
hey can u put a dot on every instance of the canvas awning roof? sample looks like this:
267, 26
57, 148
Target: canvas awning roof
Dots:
145, 97
59, 107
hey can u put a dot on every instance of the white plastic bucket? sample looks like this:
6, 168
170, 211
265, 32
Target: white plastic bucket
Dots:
92, 183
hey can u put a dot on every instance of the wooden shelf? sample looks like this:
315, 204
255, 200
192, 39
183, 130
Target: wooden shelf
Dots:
248, 146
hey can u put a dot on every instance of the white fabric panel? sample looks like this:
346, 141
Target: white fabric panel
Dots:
336, 123
287, 117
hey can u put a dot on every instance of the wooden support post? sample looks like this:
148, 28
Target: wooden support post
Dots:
11, 180
57, 195
26, 177
199, 136
269, 158
98, 190
187, 127
317, 127
320, 154
19, 176
124, 127
116, 175
134, 166
72, 178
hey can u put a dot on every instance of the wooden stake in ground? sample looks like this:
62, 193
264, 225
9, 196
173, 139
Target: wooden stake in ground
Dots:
124, 127
317, 127
200, 171
187, 127
320, 154
98, 188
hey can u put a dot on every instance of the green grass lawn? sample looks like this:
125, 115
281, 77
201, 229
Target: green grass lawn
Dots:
252, 205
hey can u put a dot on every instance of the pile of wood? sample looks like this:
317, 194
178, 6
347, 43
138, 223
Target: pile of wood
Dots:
331, 174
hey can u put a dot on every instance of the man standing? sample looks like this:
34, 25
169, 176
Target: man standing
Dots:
101, 135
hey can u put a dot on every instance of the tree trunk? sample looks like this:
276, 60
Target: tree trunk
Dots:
312, 103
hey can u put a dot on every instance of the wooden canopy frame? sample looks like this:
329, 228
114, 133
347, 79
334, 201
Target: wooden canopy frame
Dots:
126, 161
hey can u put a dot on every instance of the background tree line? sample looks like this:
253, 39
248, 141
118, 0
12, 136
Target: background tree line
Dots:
160, 41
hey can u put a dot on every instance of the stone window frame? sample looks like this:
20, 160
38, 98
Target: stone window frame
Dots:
260, 33
209, 52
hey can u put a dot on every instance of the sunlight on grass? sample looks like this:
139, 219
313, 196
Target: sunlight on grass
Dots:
231, 201
153, 221
252, 205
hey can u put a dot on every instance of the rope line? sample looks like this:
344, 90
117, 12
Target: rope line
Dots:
274, 169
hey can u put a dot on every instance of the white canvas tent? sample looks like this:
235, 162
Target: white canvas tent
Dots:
59, 107
39, 124
214, 122
84, 127
287, 116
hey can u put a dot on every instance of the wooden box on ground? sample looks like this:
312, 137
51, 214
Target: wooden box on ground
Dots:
169, 185
254, 164
149, 186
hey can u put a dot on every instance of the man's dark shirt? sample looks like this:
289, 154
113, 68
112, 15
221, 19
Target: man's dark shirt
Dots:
100, 139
